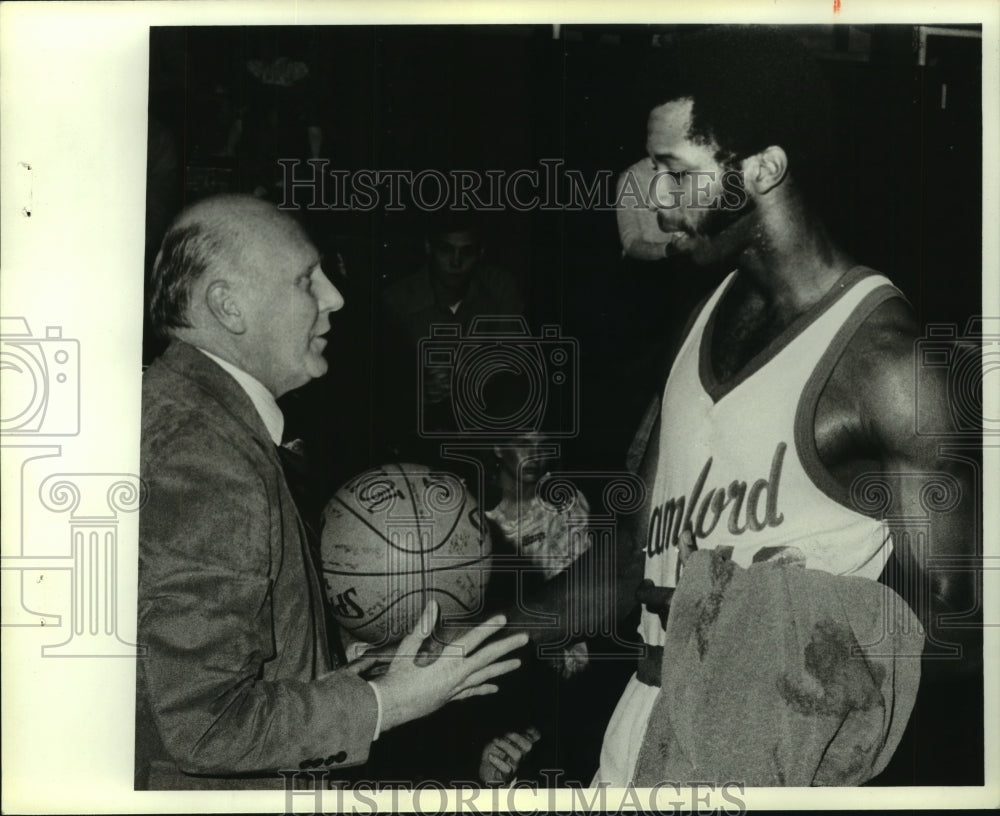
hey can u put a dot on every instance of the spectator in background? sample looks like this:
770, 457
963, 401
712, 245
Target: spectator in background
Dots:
545, 527
542, 528
454, 286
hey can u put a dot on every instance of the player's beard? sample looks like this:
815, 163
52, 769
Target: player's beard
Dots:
724, 231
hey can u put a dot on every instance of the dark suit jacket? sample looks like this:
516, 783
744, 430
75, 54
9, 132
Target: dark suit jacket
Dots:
237, 682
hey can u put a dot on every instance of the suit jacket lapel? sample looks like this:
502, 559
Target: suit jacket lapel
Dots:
215, 381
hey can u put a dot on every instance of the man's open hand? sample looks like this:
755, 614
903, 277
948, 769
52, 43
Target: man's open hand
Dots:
410, 689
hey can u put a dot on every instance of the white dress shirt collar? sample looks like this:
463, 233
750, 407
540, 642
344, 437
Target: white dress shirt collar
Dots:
262, 399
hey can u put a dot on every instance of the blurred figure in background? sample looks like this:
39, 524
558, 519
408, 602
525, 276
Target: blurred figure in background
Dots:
454, 285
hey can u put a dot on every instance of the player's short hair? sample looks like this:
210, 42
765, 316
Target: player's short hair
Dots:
751, 87
187, 252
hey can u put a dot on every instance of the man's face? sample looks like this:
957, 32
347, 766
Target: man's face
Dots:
288, 300
453, 256
528, 457
692, 193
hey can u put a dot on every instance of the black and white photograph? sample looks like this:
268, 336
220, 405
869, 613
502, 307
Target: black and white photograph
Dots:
601, 413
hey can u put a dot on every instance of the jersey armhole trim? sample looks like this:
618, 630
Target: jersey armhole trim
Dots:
805, 414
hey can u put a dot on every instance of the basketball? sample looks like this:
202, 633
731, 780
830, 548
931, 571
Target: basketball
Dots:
393, 538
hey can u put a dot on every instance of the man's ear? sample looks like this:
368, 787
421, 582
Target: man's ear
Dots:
764, 171
222, 303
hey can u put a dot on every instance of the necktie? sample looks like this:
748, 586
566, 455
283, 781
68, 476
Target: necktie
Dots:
296, 470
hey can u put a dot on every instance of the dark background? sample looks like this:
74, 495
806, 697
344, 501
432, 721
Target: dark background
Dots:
906, 194
906, 198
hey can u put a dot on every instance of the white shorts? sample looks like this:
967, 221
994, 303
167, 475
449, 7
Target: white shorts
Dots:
625, 734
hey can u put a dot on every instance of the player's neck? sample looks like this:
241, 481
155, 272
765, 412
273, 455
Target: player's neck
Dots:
795, 262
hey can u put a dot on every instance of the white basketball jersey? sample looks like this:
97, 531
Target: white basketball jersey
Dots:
739, 461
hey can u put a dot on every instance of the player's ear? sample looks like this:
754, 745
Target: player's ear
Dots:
496, 451
222, 303
764, 171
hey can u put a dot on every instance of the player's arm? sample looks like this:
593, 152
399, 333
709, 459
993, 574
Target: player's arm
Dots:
601, 580
925, 484
595, 592
598, 602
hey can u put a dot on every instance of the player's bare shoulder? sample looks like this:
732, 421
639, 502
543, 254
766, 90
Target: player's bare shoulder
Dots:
882, 346
877, 369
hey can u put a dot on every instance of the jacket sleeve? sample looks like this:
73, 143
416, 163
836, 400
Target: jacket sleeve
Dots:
209, 556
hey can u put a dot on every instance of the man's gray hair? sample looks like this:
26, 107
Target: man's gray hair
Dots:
187, 252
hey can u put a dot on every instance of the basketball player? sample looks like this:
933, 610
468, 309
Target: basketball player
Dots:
797, 375
239, 683
794, 378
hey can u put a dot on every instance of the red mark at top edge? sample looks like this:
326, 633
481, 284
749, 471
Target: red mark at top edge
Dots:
836, 6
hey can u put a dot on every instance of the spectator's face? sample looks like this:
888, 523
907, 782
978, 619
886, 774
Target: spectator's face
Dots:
289, 302
693, 193
528, 457
453, 256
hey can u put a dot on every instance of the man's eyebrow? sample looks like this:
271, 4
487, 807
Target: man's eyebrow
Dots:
665, 157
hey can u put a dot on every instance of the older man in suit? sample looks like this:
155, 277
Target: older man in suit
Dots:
239, 682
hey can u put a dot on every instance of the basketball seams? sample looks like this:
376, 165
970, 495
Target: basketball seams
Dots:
371, 527
420, 534
376, 602
388, 609
461, 565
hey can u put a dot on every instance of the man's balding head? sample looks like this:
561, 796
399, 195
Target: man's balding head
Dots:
238, 278
215, 236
